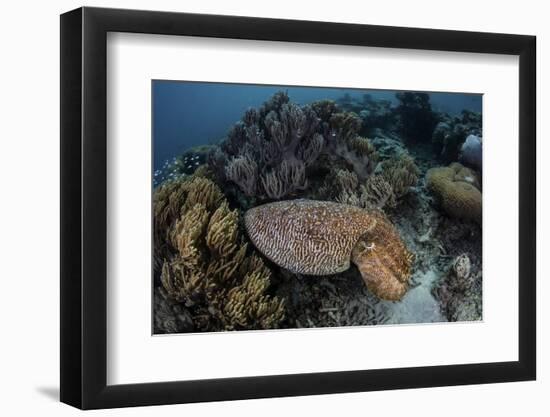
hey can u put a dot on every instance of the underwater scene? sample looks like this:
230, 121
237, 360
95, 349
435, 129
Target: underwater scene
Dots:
282, 207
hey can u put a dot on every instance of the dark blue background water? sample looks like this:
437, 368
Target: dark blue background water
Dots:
187, 114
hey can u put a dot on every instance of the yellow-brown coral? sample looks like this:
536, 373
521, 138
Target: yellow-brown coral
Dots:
401, 173
321, 237
208, 266
377, 193
173, 199
462, 173
459, 198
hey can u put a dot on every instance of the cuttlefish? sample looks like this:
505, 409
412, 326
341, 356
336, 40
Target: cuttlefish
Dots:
322, 238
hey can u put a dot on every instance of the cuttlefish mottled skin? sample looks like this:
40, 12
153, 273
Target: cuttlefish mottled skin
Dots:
321, 238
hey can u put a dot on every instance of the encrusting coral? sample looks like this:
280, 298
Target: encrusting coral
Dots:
206, 264
455, 188
320, 238
269, 153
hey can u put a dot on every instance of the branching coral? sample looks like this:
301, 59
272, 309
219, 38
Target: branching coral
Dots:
324, 109
172, 199
360, 155
205, 263
343, 186
270, 152
377, 193
401, 173
338, 184
290, 175
344, 143
243, 171
459, 199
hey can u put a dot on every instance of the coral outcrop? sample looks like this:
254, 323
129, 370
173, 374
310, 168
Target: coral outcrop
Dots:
382, 189
401, 173
416, 119
346, 209
374, 114
451, 132
456, 189
471, 152
270, 152
169, 315
460, 290
205, 263
321, 238
170, 201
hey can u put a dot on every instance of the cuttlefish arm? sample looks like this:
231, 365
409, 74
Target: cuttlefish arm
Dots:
383, 261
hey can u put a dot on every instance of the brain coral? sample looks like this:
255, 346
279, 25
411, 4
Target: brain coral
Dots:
454, 187
321, 238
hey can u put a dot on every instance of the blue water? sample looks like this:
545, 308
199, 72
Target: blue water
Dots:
188, 114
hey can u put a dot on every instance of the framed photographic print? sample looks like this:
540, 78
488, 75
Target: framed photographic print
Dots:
257, 207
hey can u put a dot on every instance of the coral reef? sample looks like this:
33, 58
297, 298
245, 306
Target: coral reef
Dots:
350, 186
374, 114
184, 165
206, 265
338, 184
454, 187
270, 152
169, 315
417, 121
172, 199
401, 173
377, 114
471, 152
451, 132
388, 145
382, 189
374, 193
320, 238
377, 193
460, 290
462, 173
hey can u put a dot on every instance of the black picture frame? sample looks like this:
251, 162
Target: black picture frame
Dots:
84, 207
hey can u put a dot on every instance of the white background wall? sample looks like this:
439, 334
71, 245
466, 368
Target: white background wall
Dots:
29, 226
